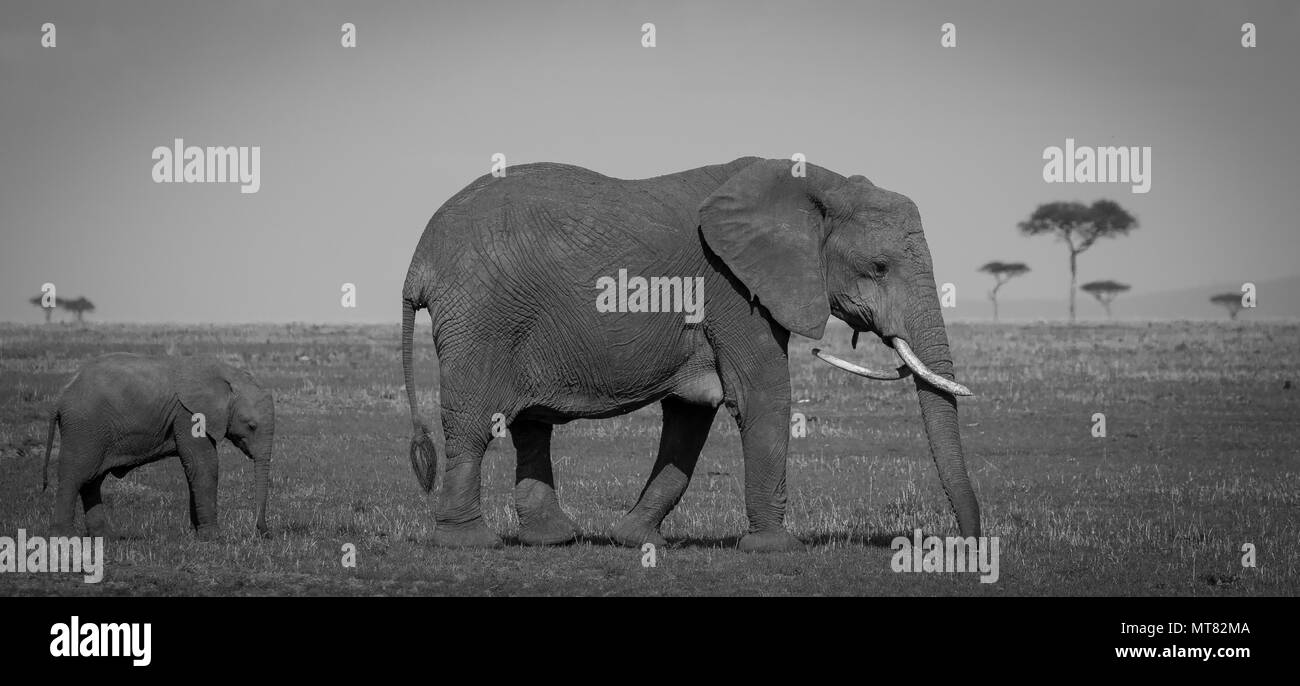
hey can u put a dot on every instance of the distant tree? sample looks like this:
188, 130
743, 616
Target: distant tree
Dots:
1104, 292
39, 301
1232, 301
79, 307
1079, 226
1002, 272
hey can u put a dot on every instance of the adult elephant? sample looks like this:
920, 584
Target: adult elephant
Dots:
122, 411
511, 269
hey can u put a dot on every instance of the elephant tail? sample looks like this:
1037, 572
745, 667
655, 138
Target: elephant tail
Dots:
49, 448
424, 455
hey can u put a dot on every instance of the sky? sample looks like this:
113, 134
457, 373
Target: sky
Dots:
359, 146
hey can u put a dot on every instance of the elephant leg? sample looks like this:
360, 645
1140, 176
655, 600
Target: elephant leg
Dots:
199, 458
685, 429
758, 396
65, 506
541, 520
459, 515
79, 459
92, 501
765, 439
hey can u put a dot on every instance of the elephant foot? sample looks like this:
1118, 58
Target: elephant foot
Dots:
633, 532
474, 534
97, 525
641, 525
555, 531
541, 519
207, 534
771, 541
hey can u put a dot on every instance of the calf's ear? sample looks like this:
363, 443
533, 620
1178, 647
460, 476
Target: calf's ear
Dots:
203, 389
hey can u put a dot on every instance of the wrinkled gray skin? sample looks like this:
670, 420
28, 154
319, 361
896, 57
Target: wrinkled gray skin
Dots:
122, 411
507, 269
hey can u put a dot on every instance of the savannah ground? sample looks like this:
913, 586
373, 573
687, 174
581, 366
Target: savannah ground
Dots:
1200, 457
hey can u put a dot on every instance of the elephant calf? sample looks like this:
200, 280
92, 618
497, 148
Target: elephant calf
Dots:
122, 411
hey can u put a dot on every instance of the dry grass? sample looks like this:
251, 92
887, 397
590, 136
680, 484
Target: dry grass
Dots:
1201, 457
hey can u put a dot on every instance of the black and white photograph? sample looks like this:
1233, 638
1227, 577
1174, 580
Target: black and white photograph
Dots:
922, 301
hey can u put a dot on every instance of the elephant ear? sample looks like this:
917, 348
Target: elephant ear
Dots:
768, 226
203, 388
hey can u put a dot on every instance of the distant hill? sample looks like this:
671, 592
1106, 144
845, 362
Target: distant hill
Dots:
1277, 299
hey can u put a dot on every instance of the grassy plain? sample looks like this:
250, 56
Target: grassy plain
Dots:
1201, 456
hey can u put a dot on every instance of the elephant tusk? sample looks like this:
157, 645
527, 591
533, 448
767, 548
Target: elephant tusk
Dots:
901, 373
905, 351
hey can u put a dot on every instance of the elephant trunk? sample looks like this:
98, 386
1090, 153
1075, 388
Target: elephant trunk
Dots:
262, 452
262, 475
929, 341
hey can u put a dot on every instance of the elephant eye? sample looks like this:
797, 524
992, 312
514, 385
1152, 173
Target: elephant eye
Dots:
879, 268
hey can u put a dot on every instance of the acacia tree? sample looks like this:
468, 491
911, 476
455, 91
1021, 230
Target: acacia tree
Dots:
1232, 301
1002, 272
79, 307
1104, 292
39, 301
1079, 226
